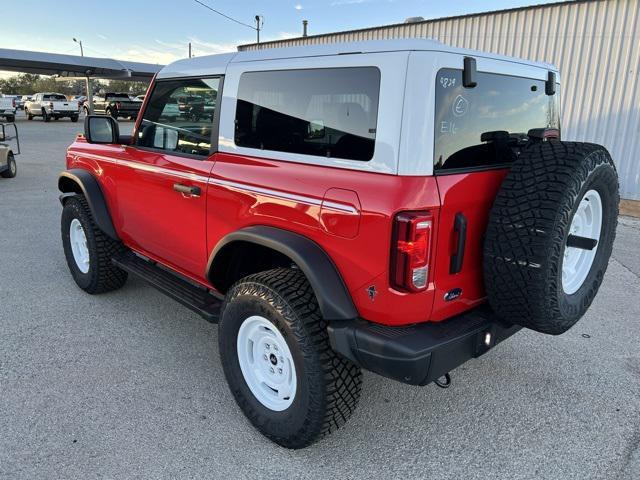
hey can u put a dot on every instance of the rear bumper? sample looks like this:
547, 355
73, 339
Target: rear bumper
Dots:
421, 353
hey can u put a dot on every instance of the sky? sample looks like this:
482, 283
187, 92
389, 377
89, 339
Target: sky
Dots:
158, 31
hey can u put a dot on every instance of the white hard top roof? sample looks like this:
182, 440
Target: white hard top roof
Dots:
217, 64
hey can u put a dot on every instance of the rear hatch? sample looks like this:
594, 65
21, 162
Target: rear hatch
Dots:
479, 132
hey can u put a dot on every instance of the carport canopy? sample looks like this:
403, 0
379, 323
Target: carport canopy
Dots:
74, 66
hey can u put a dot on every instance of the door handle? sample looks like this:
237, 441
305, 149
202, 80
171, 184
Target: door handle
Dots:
187, 189
460, 226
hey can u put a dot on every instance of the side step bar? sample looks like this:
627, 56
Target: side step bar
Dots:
192, 296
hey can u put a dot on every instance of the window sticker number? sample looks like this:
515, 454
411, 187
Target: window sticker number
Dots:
447, 82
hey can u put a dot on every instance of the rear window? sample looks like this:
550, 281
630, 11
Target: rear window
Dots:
330, 112
487, 125
55, 97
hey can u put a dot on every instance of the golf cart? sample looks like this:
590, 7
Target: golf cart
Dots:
8, 168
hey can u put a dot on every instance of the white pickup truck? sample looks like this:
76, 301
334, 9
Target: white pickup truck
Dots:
51, 105
8, 108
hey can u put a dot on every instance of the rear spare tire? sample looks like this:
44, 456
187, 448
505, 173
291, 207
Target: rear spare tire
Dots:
550, 235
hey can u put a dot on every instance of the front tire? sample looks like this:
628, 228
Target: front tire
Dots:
74, 118
11, 118
112, 113
45, 116
89, 250
300, 389
29, 116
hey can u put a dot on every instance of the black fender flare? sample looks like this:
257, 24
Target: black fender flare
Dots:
333, 297
77, 181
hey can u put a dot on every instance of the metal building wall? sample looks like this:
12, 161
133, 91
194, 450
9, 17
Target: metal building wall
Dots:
595, 43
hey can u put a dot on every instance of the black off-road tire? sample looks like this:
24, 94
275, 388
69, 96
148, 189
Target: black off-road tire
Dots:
12, 169
328, 386
528, 230
45, 116
102, 275
74, 118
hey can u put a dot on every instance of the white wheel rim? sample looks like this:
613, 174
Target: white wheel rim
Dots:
79, 245
586, 222
266, 363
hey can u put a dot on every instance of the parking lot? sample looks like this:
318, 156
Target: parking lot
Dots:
129, 385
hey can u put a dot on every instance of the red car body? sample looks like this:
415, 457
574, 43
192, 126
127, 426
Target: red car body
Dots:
244, 191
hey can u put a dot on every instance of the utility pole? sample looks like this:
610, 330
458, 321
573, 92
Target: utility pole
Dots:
259, 23
305, 23
189, 49
87, 80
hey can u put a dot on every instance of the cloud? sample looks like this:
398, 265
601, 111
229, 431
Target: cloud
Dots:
298, 7
103, 37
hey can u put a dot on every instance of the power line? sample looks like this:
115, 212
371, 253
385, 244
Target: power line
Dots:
225, 16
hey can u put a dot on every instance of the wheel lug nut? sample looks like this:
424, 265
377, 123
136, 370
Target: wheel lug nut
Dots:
267, 346
280, 371
275, 347
264, 357
271, 370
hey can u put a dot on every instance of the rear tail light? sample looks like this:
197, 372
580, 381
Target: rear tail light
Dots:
410, 251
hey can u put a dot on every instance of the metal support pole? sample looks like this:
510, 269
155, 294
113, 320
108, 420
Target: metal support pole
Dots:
258, 28
89, 95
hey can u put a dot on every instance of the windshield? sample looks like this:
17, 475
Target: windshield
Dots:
487, 125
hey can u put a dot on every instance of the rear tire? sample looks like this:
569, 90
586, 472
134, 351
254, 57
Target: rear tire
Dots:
112, 113
45, 116
12, 168
555, 189
74, 118
323, 388
96, 274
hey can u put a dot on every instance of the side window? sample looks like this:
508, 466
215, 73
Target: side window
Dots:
329, 112
179, 116
487, 125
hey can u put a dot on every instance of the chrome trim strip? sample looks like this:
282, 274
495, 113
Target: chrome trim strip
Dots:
285, 196
315, 202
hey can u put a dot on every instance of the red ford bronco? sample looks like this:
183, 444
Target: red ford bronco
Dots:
396, 206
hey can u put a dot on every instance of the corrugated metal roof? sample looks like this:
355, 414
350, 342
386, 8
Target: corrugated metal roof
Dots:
595, 44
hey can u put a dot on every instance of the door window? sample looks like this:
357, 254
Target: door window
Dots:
487, 125
179, 116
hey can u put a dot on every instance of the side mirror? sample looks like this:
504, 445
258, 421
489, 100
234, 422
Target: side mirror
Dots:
101, 129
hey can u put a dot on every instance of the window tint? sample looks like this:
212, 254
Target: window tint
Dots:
179, 116
487, 125
55, 97
324, 112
